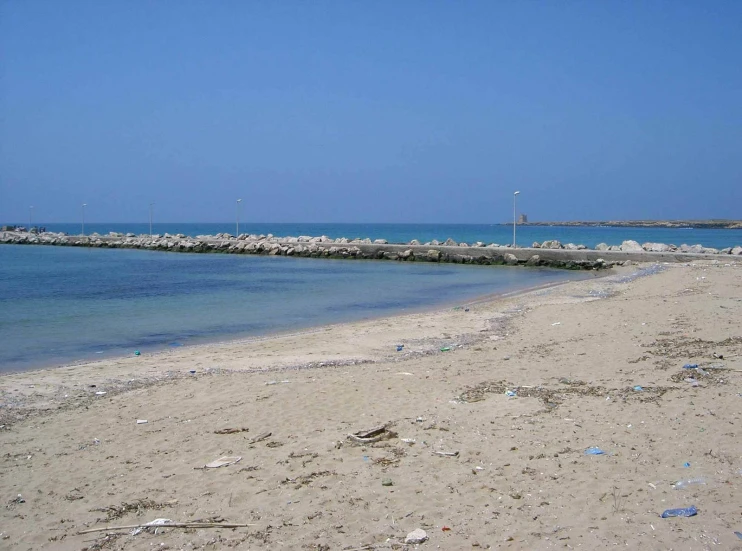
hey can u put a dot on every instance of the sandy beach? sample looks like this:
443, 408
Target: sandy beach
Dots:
487, 411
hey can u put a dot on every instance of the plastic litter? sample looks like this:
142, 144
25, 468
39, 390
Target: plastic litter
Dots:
594, 451
738, 534
137, 353
686, 464
445, 349
638, 388
222, 462
690, 366
510, 393
141, 421
155, 523
400, 347
680, 484
100, 393
683, 512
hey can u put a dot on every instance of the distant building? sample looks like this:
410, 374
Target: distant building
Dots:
523, 219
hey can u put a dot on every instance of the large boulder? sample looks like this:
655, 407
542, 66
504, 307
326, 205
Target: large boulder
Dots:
656, 247
533, 261
414, 242
552, 244
571, 247
434, 255
601, 247
511, 259
535, 245
631, 247
736, 250
450, 243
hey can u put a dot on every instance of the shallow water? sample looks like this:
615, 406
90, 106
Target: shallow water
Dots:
61, 305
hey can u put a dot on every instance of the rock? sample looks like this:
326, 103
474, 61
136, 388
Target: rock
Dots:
727, 250
414, 242
710, 250
380, 242
631, 247
478, 244
462, 244
511, 259
404, 255
736, 250
535, 245
601, 247
628, 263
433, 255
656, 247
450, 243
570, 247
416, 536
533, 261
435, 242
553, 244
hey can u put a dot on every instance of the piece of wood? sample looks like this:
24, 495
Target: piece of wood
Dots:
173, 525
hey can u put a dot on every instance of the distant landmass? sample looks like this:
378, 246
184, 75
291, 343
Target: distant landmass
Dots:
700, 224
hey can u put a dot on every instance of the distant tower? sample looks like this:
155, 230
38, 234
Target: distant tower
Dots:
523, 219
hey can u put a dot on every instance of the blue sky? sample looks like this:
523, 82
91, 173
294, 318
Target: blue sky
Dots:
352, 111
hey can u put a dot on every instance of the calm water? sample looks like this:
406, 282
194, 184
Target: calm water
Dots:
470, 233
63, 304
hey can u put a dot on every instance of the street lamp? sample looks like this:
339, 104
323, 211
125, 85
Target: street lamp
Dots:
30, 218
514, 196
150, 218
237, 234
83, 218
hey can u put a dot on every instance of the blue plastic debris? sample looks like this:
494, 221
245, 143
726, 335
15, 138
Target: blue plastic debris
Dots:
594, 451
686, 464
738, 534
690, 366
684, 512
510, 393
637, 388
400, 347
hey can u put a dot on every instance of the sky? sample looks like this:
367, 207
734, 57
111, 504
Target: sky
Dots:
385, 111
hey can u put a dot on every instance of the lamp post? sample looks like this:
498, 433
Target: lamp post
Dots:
514, 196
237, 233
30, 218
150, 218
83, 218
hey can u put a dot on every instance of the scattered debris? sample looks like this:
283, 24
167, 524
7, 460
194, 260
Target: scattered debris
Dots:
447, 454
370, 436
416, 536
683, 512
141, 421
222, 462
230, 431
165, 523
387, 482
261, 437
594, 451
276, 383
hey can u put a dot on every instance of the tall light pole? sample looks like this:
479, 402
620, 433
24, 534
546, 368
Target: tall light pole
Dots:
514, 196
30, 218
150, 218
237, 234
83, 218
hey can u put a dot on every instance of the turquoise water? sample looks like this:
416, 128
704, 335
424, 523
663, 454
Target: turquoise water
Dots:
63, 304
469, 233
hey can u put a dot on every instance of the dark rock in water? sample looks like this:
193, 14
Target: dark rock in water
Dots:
533, 261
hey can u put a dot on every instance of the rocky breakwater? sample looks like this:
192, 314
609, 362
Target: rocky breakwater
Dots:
312, 247
548, 253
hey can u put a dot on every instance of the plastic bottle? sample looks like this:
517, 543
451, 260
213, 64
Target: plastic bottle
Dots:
681, 484
684, 512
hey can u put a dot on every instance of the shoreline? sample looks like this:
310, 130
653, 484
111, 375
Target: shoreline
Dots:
243, 338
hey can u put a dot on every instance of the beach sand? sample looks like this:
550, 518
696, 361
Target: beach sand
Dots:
517, 476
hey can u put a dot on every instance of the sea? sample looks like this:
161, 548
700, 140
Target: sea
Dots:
63, 305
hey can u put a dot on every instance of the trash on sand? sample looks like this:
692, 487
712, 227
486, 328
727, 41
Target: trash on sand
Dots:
447, 454
387, 482
510, 393
400, 347
170, 524
100, 393
690, 366
445, 529
370, 436
155, 524
230, 430
466, 309
686, 464
638, 388
408, 440
684, 512
680, 484
261, 437
445, 348
416, 536
18, 499
738, 534
222, 462
141, 421
594, 451
556, 323
269, 383
193, 372
137, 353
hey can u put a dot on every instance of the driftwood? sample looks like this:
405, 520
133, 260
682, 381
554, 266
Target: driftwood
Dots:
370, 436
172, 525
260, 438
230, 431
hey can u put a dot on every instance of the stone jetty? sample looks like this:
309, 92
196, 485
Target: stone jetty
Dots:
548, 253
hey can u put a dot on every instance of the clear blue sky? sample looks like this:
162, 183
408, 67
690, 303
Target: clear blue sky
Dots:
351, 111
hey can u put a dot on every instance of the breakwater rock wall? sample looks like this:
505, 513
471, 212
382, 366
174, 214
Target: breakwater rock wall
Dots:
549, 253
